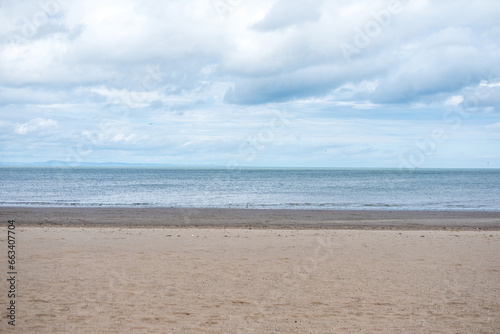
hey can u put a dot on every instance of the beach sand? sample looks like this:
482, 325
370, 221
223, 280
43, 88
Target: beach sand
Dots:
226, 279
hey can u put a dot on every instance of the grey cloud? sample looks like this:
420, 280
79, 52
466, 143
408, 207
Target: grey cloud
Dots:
314, 81
481, 98
411, 61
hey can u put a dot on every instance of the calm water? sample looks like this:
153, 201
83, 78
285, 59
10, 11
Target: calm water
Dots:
432, 189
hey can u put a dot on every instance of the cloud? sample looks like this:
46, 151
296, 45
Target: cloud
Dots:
429, 62
494, 127
36, 124
110, 44
193, 79
484, 97
285, 13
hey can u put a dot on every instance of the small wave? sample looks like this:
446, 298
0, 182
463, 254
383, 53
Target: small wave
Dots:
60, 203
291, 205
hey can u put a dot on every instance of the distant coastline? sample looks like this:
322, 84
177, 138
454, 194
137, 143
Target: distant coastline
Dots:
59, 163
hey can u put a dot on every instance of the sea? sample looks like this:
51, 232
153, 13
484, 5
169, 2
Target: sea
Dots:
252, 188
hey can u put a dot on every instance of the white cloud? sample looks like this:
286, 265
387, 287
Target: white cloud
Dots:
285, 13
123, 138
454, 101
36, 124
493, 127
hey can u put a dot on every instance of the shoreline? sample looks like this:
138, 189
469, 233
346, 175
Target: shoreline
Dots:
251, 218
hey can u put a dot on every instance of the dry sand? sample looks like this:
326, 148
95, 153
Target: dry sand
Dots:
241, 280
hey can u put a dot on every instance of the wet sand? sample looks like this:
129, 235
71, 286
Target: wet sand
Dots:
301, 219
226, 278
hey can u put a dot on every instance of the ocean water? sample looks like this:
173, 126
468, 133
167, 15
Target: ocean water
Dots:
328, 189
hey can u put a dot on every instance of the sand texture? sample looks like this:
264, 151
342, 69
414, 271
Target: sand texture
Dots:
236, 280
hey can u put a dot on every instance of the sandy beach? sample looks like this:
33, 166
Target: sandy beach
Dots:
373, 273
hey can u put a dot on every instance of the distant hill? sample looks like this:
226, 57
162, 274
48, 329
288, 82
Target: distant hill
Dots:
57, 163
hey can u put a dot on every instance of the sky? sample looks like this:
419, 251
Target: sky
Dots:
283, 83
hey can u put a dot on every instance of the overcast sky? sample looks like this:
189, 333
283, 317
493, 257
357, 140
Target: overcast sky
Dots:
306, 83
